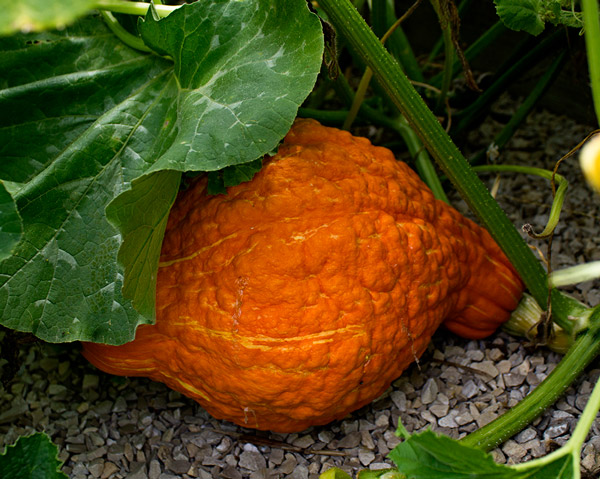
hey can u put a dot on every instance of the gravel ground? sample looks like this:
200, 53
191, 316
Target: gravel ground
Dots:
112, 427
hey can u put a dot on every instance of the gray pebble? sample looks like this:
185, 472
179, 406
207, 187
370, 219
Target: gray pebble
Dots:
120, 405
561, 416
326, 436
391, 439
349, 426
137, 470
349, 441
439, 410
48, 364
261, 474
495, 354
487, 367
364, 425
96, 467
212, 461
514, 449
79, 469
498, 456
154, 469
430, 391
449, 421
526, 435
252, 460
476, 355
382, 421
451, 375
109, 469
304, 442
532, 379
225, 445
229, 472
57, 390
178, 466
367, 440
90, 381
581, 400
463, 417
504, 366
300, 472
399, 399
470, 389
555, 431
288, 465
97, 453
365, 456
589, 462
276, 456
103, 408
513, 379
430, 418
379, 466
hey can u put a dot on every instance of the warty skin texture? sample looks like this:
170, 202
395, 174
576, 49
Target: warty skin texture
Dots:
300, 296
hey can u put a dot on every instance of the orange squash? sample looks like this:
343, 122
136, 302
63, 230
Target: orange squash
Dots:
299, 296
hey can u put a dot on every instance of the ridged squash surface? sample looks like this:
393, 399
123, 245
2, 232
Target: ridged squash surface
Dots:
298, 297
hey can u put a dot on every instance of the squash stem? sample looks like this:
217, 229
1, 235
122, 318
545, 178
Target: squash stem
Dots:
352, 26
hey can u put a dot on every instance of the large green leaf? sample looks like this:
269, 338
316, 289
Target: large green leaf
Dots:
37, 15
31, 457
112, 129
228, 68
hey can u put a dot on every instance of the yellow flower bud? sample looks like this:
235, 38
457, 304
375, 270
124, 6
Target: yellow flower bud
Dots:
589, 159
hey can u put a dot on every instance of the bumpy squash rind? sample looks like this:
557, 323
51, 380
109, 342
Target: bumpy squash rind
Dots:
300, 296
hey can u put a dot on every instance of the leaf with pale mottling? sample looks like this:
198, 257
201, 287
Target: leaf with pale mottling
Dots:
114, 129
